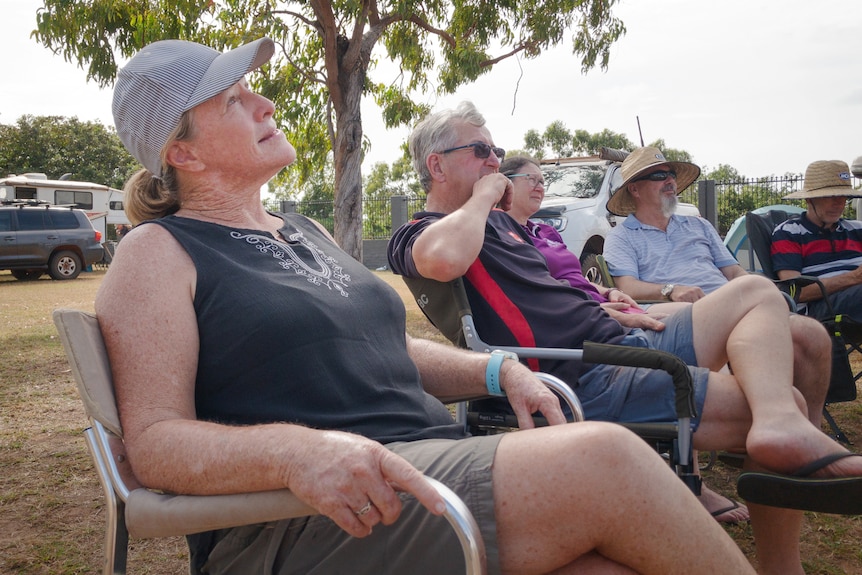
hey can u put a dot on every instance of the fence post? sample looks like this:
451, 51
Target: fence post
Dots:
707, 201
398, 206
288, 206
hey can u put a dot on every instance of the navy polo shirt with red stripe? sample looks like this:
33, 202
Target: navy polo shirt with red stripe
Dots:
514, 298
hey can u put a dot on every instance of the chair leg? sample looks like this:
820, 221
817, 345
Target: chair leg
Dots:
117, 542
837, 433
688, 473
116, 534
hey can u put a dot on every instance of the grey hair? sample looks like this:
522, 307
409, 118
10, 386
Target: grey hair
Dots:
514, 164
434, 133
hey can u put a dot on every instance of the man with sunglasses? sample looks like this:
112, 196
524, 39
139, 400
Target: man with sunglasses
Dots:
655, 254
516, 301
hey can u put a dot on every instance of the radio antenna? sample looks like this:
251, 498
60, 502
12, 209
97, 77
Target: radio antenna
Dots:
639, 131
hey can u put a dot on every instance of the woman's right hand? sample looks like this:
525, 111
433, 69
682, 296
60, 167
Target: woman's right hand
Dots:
339, 474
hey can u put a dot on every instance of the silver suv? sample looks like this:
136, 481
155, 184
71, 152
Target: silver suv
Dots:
576, 192
36, 237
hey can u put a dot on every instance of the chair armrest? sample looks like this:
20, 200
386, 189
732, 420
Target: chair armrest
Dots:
793, 288
150, 514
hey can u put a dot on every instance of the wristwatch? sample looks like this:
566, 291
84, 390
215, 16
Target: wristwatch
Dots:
492, 371
666, 291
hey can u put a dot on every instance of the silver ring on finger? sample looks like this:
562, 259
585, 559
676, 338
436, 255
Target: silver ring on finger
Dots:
365, 509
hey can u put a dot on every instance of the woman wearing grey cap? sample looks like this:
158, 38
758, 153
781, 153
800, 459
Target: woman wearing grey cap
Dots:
250, 353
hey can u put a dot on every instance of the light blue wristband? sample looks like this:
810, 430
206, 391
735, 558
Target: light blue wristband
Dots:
492, 371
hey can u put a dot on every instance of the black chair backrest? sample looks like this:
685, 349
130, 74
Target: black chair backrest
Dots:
759, 229
439, 302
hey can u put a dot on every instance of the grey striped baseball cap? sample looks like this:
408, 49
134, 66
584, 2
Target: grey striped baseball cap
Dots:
166, 79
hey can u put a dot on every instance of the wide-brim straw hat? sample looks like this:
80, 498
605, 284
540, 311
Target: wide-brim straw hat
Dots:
826, 179
639, 163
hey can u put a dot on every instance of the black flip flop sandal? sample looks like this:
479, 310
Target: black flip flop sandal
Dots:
837, 495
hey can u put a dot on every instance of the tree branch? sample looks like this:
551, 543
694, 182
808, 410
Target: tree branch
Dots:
312, 23
354, 48
329, 33
493, 61
384, 21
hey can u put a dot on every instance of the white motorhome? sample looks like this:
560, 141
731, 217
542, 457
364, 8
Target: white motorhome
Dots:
103, 205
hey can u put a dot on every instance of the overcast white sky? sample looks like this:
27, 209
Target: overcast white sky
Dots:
764, 86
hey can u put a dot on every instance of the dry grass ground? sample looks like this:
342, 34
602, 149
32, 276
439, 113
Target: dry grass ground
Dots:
51, 504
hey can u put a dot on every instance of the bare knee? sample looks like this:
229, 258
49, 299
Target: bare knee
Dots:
810, 338
758, 287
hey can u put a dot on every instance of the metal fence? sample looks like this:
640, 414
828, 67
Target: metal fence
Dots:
729, 200
732, 199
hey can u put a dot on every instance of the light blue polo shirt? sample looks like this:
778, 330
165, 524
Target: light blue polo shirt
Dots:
689, 253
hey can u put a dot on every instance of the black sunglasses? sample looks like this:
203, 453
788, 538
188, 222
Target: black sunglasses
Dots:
658, 176
480, 150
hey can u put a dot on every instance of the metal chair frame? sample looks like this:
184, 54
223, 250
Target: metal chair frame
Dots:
137, 512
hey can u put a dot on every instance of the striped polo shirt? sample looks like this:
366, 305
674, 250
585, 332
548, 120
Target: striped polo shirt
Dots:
800, 245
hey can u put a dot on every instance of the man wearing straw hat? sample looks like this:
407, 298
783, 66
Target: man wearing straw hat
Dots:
819, 242
656, 254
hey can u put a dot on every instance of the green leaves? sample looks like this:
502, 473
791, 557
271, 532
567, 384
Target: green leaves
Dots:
327, 55
564, 143
54, 146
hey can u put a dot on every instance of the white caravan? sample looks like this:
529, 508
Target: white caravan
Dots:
103, 205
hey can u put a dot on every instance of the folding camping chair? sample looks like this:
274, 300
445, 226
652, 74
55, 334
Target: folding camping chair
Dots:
133, 511
447, 308
846, 333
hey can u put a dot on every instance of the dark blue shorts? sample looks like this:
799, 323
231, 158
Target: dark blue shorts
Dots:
639, 395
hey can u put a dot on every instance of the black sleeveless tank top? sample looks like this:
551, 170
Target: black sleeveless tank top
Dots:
299, 331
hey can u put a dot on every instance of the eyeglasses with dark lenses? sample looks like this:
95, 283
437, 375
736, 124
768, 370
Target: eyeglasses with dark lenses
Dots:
480, 150
535, 181
659, 176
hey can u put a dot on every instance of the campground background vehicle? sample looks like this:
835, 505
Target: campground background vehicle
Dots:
576, 192
102, 204
37, 237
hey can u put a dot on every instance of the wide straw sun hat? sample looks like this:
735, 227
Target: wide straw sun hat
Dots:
826, 179
639, 163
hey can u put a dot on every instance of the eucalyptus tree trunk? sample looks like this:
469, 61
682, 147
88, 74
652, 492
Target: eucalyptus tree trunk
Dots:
348, 176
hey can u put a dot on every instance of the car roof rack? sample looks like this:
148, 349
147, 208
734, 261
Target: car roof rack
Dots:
25, 202
605, 154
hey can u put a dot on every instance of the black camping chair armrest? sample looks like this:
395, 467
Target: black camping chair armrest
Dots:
652, 359
793, 288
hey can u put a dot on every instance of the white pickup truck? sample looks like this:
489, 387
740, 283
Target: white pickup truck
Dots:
576, 192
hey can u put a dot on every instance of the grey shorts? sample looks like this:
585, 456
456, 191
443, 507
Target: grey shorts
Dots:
639, 395
418, 543
847, 301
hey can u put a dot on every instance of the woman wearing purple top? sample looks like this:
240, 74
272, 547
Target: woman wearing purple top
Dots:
529, 186
529, 190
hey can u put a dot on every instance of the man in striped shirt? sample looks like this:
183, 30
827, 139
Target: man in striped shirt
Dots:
819, 242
